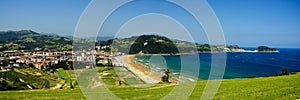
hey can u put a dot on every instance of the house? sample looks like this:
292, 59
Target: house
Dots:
22, 60
40, 65
103, 61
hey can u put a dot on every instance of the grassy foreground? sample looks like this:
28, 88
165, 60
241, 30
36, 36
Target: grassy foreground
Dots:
281, 87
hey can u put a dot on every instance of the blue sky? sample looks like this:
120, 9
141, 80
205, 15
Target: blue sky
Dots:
259, 22
49, 16
274, 23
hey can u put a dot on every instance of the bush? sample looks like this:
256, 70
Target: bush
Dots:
285, 71
3, 85
251, 76
166, 77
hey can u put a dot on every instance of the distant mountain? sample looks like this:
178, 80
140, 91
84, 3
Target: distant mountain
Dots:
266, 49
104, 38
155, 44
30, 40
146, 44
51, 34
99, 38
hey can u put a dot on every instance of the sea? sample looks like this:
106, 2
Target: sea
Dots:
238, 64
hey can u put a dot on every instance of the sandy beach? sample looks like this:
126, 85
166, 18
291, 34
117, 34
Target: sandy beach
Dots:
143, 72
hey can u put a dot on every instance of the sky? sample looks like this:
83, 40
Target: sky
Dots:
48, 16
248, 23
259, 22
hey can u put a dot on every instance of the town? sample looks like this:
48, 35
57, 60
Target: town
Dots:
51, 59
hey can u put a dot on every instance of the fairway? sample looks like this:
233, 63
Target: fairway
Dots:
280, 87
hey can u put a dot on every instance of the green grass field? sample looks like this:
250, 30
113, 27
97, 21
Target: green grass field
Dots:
109, 81
280, 87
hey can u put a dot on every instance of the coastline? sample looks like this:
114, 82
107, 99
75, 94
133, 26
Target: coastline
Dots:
212, 52
136, 69
144, 73
147, 74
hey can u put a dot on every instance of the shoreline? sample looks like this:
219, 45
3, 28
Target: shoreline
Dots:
206, 52
143, 72
150, 75
136, 69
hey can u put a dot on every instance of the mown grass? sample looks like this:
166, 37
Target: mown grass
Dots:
107, 69
280, 87
64, 75
65, 94
131, 81
109, 81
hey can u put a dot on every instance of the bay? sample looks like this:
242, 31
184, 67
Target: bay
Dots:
238, 64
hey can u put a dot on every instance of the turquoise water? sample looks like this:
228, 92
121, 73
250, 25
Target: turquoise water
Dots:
238, 65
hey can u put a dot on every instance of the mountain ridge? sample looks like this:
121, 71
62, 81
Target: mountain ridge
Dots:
30, 40
148, 44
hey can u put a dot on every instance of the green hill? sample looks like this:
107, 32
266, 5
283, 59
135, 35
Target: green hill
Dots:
30, 40
155, 44
280, 87
31, 78
15, 80
150, 44
265, 49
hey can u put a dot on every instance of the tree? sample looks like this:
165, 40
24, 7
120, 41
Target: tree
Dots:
251, 76
5, 62
285, 71
166, 77
265, 48
3, 85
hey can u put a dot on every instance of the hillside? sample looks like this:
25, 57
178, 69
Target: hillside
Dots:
266, 49
147, 44
155, 44
31, 78
30, 40
280, 87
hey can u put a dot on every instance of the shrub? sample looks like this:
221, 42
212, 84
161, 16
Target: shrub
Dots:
285, 71
166, 77
251, 76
